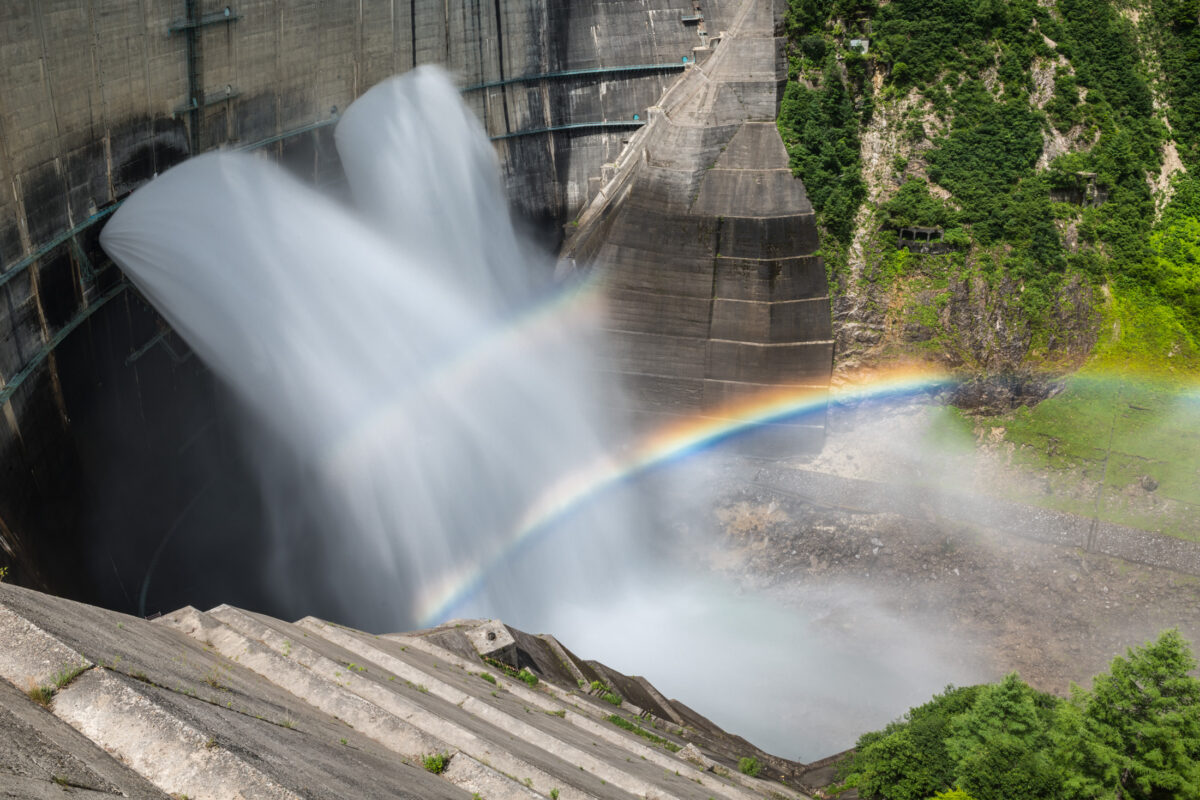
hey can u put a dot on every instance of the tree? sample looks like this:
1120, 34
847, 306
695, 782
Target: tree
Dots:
908, 759
1001, 745
1136, 734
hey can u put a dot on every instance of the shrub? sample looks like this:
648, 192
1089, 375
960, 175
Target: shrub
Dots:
42, 695
436, 763
528, 677
749, 766
489, 677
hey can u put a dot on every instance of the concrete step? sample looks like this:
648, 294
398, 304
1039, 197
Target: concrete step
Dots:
185, 718
41, 756
452, 715
158, 745
547, 729
403, 728
233, 704
582, 711
589, 713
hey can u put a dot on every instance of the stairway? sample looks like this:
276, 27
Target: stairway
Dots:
232, 704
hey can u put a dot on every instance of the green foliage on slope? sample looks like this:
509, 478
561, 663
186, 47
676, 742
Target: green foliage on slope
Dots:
820, 129
1177, 25
1135, 734
971, 65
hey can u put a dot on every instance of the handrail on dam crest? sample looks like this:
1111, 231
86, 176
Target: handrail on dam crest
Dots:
574, 73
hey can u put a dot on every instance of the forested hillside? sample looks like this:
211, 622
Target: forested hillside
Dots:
1044, 149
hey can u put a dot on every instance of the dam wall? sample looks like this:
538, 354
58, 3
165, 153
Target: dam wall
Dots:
110, 428
707, 246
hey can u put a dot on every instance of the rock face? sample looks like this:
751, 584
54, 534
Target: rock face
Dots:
233, 704
707, 245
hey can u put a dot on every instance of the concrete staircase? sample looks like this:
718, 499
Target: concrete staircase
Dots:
232, 704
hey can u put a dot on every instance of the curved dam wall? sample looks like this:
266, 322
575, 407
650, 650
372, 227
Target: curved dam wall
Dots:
118, 451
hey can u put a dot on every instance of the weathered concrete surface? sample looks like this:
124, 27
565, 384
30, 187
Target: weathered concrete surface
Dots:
232, 704
40, 754
707, 245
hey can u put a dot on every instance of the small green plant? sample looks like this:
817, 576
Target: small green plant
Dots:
213, 678
435, 763
42, 695
3, 573
554, 794
67, 674
614, 699
61, 780
749, 766
342, 740
489, 677
211, 743
621, 722
528, 677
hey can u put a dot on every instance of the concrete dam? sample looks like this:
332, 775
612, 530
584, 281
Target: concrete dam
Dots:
636, 140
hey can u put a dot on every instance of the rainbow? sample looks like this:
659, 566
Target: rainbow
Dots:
665, 445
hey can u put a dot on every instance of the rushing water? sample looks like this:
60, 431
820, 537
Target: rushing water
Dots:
412, 400
421, 402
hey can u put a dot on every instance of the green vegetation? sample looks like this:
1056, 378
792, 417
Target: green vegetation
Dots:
621, 722
1096, 442
957, 79
749, 766
67, 674
820, 129
523, 675
42, 695
1177, 26
1135, 734
489, 677
436, 762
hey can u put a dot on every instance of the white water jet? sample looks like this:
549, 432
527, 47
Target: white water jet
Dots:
415, 407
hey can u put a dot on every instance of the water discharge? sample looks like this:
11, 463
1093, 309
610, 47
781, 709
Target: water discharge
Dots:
424, 409
411, 400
